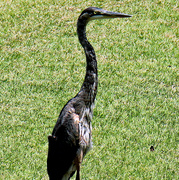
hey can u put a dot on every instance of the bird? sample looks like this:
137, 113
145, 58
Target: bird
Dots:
71, 138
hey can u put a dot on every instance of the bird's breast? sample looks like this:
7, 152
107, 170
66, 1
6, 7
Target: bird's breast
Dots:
85, 131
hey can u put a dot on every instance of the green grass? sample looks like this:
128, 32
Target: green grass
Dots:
42, 66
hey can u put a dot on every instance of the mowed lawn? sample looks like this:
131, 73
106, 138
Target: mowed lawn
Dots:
42, 66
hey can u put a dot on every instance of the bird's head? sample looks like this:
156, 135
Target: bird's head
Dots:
93, 13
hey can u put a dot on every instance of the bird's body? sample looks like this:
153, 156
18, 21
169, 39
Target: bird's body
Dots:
71, 138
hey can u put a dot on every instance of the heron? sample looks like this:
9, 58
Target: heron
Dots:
71, 138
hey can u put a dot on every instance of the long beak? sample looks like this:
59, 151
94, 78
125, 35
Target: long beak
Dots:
103, 14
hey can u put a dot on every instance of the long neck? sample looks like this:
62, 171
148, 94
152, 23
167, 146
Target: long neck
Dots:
89, 88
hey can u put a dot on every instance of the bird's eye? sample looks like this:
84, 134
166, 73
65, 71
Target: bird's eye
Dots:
96, 13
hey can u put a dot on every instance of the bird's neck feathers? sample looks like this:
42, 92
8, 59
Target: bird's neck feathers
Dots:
89, 87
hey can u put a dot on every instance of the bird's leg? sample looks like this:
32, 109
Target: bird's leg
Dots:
78, 172
78, 164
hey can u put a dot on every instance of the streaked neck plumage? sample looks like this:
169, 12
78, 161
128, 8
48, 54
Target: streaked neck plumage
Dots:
89, 87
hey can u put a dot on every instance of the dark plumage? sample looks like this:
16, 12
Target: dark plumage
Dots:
71, 136
152, 148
